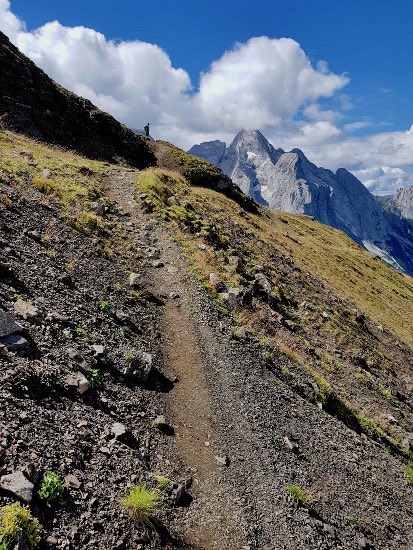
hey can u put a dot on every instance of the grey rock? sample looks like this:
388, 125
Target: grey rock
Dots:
134, 279
8, 324
78, 381
46, 173
28, 311
222, 460
98, 349
139, 366
17, 484
178, 494
72, 482
157, 264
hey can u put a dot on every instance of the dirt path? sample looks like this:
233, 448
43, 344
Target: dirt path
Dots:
209, 523
234, 422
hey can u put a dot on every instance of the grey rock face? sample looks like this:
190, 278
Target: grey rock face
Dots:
289, 182
402, 203
213, 151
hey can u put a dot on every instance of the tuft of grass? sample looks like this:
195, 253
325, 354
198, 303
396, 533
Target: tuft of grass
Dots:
17, 520
141, 503
408, 472
163, 482
371, 425
298, 494
80, 331
104, 306
51, 487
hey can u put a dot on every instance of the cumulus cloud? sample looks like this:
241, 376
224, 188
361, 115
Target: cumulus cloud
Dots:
264, 83
261, 83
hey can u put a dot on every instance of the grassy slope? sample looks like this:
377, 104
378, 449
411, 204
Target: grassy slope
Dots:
74, 181
317, 274
329, 298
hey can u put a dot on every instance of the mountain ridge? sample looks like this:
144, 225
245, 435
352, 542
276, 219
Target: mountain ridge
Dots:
289, 182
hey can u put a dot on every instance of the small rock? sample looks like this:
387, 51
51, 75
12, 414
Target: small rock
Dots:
105, 451
28, 311
8, 324
72, 482
119, 545
78, 381
46, 173
157, 263
202, 246
161, 423
139, 366
118, 430
222, 460
392, 419
178, 494
240, 332
216, 283
17, 484
234, 261
291, 445
51, 540
15, 342
98, 349
134, 279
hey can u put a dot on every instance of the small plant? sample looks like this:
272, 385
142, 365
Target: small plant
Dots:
104, 306
141, 503
298, 494
409, 472
17, 297
80, 331
94, 378
51, 487
17, 520
129, 357
355, 520
163, 482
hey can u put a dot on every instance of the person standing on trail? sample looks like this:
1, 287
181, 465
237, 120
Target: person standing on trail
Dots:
146, 128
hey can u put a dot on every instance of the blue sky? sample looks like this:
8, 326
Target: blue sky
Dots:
370, 40
363, 101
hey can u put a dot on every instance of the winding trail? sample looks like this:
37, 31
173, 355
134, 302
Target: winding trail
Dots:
209, 525
232, 418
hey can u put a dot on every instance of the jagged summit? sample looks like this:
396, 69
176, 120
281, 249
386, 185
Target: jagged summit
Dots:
290, 182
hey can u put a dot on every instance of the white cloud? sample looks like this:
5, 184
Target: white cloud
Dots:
265, 83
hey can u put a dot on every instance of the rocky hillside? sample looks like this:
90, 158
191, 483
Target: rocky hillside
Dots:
31, 103
137, 332
182, 368
291, 183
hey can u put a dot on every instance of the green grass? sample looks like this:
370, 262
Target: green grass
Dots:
17, 519
94, 378
297, 493
75, 181
51, 487
408, 471
163, 482
141, 503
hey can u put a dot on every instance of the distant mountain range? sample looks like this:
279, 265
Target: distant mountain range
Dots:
288, 181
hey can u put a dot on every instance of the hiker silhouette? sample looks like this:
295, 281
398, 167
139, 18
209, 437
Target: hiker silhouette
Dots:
146, 128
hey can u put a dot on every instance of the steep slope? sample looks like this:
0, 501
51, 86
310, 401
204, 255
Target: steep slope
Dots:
287, 407
290, 183
31, 103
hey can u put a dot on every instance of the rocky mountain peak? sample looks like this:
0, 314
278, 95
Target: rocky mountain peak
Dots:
290, 182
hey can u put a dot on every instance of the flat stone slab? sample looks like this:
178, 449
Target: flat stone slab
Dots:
8, 324
18, 484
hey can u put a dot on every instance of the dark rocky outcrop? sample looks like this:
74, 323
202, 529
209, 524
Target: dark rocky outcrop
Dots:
33, 104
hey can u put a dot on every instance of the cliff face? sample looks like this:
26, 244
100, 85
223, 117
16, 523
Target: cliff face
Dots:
402, 203
289, 182
33, 104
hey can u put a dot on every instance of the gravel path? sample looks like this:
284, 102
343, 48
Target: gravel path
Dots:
244, 435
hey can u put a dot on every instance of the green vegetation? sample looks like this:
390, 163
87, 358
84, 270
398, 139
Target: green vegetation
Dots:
163, 482
355, 520
141, 503
16, 520
371, 425
94, 378
298, 494
409, 472
104, 306
80, 331
51, 487
62, 176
